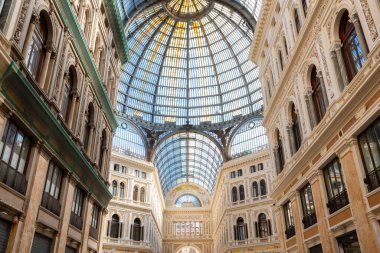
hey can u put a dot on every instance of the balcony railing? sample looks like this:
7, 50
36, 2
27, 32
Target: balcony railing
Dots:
76, 221
309, 220
339, 201
290, 232
13, 178
51, 204
94, 232
373, 179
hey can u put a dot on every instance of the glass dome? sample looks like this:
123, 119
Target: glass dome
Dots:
189, 72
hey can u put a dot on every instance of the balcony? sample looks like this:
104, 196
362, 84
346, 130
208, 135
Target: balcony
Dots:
51, 204
76, 221
373, 179
339, 201
13, 178
309, 220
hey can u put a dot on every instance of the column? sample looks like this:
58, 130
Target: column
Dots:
350, 165
45, 67
340, 65
294, 198
29, 36
292, 140
323, 87
316, 181
276, 159
45, 86
40, 162
375, 226
87, 216
72, 108
280, 227
90, 139
68, 187
311, 107
354, 19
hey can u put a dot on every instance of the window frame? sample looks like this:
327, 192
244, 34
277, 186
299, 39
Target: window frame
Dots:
308, 206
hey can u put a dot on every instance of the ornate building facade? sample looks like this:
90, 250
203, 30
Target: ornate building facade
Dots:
319, 67
59, 67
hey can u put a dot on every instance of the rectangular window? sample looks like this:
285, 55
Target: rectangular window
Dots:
143, 175
335, 187
349, 243
260, 167
137, 173
252, 169
233, 174
50, 198
76, 209
316, 249
369, 143
308, 209
124, 169
116, 167
240, 173
94, 222
14, 148
290, 230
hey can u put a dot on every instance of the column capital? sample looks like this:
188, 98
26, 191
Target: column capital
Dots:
354, 18
313, 177
346, 146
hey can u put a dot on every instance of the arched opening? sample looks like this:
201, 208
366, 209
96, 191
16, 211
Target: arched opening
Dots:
114, 188
137, 230
279, 153
122, 190
188, 249
240, 229
263, 187
115, 226
67, 98
318, 97
86, 24
234, 194
241, 192
351, 49
255, 190
297, 21
89, 125
135, 192
102, 149
142, 194
263, 226
37, 48
296, 139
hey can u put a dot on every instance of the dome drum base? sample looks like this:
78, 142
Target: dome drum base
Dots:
181, 10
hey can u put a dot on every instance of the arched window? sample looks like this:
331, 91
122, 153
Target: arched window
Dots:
86, 24
36, 48
89, 121
296, 129
135, 193
122, 190
241, 192
234, 194
351, 48
263, 226
114, 188
142, 194
297, 21
67, 97
240, 229
280, 159
115, 226
263, 187
137, 230
255, 189
102, 149
319, 104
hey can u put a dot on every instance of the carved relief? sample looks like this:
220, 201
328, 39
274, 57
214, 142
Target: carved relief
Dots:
21, 21
369, 20
325, 67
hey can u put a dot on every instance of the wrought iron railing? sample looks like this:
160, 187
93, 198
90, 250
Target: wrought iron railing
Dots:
290, 232
339, 201
309, 220
50, 203
76, 221
373, 179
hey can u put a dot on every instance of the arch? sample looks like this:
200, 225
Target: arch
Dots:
241, 192
142, 194
189, 249
296, 139
234, 194
135, 193
114, 188
263, 187
70, 83
263, 229
103, 149
44, 13
115, 226
186, 200
137, 230
241, 230
317, 94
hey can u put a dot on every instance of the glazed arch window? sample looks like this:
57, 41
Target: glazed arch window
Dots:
240, 230
14, 147
255, 189
137, 230
122, 190
263, 227
351, 49
135, 193
142, 195
369, 143
241, 192
36, 48
115, 226
318, 100
263, 187
114, 188
234, 194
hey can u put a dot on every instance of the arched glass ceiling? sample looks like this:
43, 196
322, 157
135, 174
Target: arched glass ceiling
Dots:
128, 140
187, 157
249, 138
189, 72
187, 200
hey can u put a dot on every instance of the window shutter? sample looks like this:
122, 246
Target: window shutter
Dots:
257, 229
235, 232
269, 227
246, 230
108, 227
